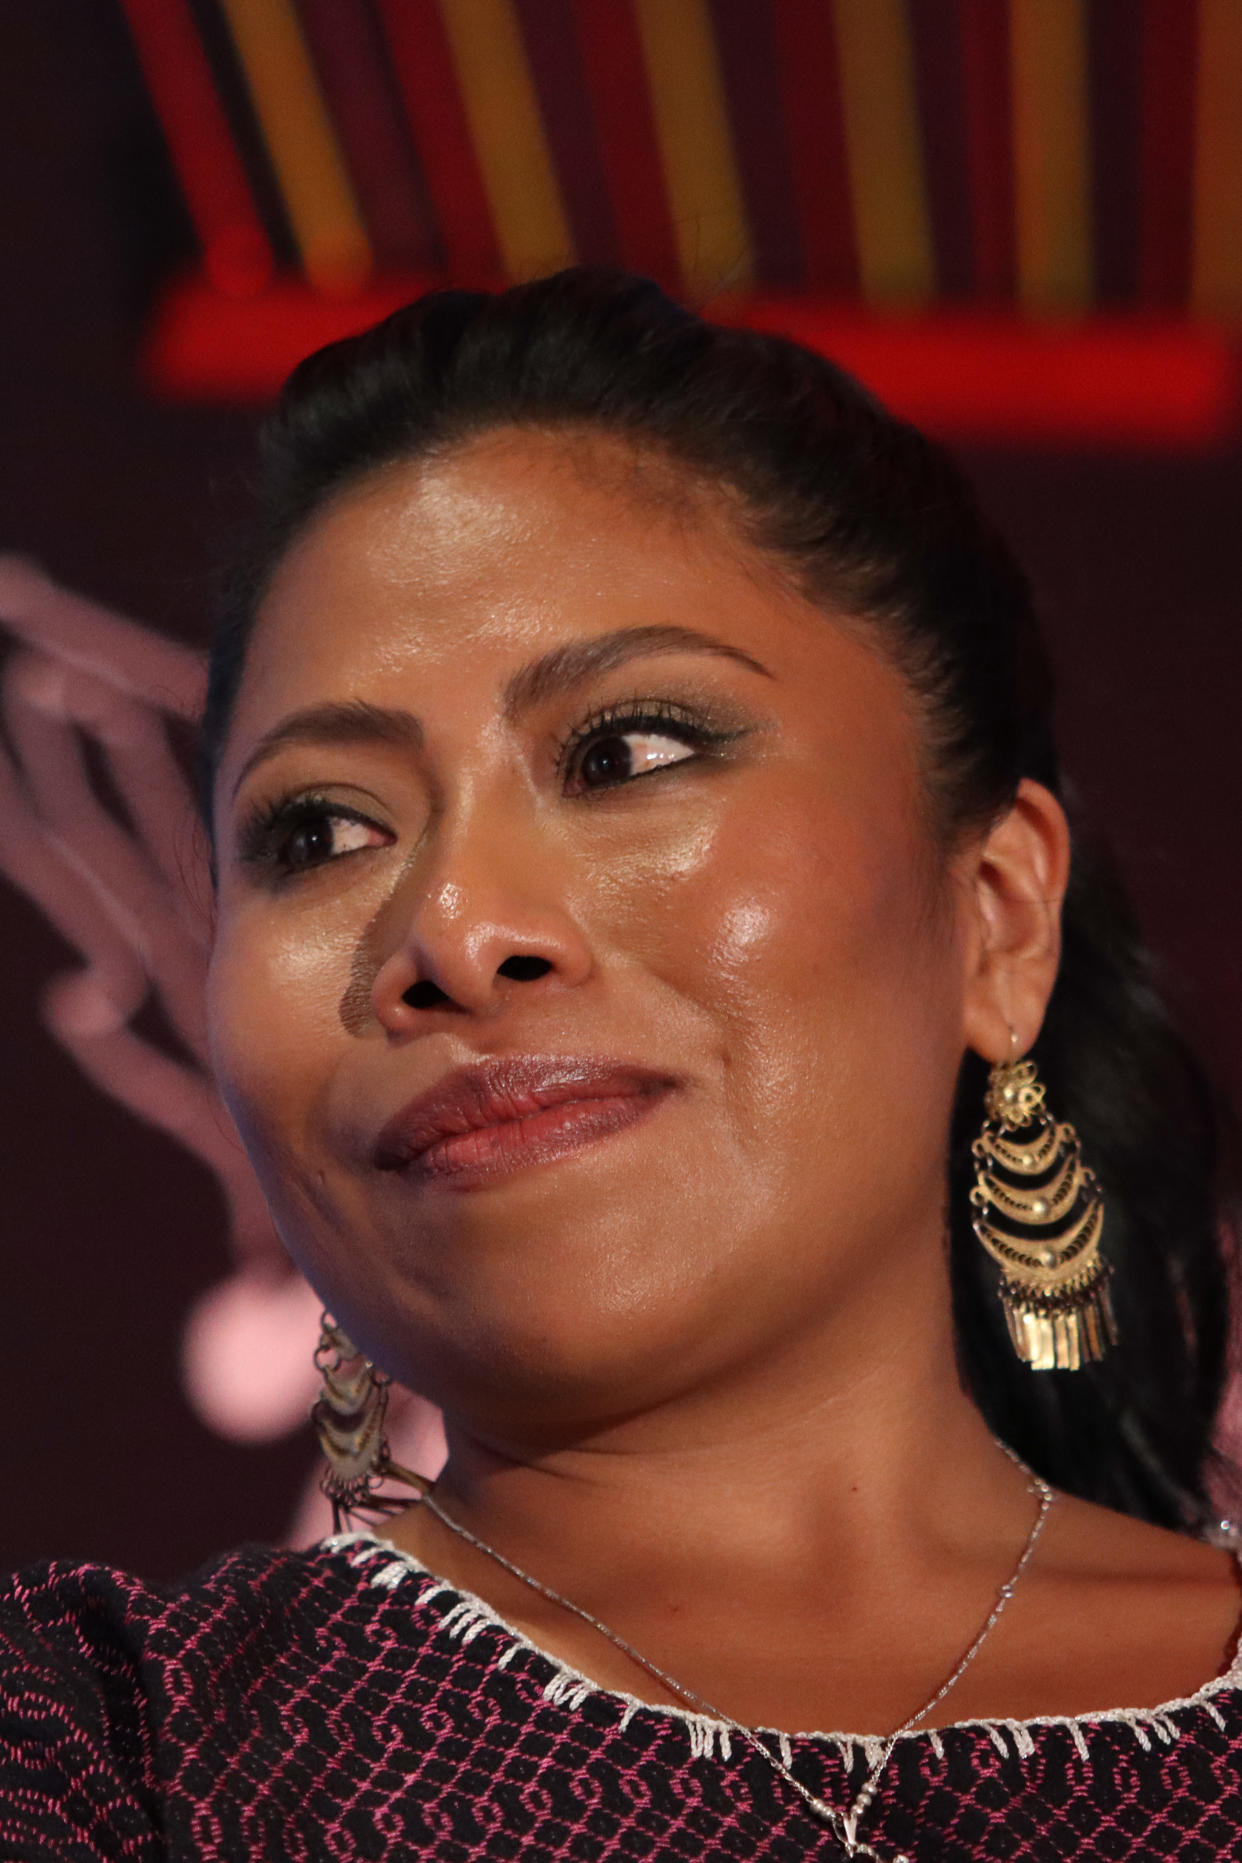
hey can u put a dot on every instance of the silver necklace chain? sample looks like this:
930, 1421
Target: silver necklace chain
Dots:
845, 1824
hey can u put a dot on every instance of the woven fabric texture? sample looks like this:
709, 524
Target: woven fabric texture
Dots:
341, 1703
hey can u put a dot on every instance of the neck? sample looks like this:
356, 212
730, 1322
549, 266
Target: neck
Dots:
826, 1462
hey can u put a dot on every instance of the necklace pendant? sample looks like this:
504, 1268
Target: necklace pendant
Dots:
844, 1826
854, 1845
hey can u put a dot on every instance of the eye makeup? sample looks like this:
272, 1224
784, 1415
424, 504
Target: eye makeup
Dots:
298, 833
305, 830
648, 717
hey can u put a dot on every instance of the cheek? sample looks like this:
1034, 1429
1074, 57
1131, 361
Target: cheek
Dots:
275, 995
771, 912
815, 963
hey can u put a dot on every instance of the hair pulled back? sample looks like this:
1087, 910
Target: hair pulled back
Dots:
864, 512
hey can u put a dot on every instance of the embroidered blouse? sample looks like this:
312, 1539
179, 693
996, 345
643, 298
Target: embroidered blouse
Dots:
343, 1703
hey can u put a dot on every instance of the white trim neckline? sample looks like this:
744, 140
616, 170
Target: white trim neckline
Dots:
465, 1618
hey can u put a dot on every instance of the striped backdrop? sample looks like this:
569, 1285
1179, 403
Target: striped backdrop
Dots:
1054, 154
1052, 159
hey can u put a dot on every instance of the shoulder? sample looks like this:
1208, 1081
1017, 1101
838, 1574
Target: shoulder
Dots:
83, 1646
1102, 1542
95, 1637
66, 1612
94, 1660
1118, 1612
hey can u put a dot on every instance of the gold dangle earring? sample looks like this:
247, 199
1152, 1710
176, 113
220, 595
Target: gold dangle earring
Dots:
349, 1416
1039, 1213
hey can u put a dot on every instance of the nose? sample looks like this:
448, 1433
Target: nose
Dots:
489, 923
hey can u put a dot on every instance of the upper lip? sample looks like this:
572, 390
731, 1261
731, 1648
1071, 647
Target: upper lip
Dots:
508, 1087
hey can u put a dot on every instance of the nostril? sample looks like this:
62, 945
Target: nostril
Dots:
425, 995
524, 969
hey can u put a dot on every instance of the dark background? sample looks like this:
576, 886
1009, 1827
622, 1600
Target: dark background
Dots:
108, 1231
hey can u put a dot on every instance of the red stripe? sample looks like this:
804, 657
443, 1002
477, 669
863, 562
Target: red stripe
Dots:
616, 76
989, 145
810, 84
550, 37
746, 42
351, 64
1118, 381
1110, 381
1167, 158
203, 347
237, 254
424, 65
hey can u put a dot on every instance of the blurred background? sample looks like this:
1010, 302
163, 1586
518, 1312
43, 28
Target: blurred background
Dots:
1019, 220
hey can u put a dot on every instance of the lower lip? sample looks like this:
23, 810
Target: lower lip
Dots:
479, 1157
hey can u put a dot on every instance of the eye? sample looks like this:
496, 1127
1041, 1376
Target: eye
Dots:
293, 836
325, 837
617, 756
624, 743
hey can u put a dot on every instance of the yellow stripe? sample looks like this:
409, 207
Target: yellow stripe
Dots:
696, 146
509, 141
1048, 52
884, 151
1216, 275
323, 213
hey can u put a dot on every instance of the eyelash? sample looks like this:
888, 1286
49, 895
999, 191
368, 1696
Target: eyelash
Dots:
661, 716
264, 836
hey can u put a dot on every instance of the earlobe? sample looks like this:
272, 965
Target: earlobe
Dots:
1018, 879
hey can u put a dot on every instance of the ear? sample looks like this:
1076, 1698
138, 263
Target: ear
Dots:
1015, 880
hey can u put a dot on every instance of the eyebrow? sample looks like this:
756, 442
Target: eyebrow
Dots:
347, 721
555, 673
563, 669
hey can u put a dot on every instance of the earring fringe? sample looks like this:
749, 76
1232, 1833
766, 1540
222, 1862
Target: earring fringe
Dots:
349, 1416
1040, 1216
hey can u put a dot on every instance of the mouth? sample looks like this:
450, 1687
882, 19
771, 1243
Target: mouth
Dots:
480, 1123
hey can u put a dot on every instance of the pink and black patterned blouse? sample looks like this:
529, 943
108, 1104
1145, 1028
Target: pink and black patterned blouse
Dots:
343, 1703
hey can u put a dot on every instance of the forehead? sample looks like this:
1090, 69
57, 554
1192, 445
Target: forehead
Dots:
499, 531
440, 578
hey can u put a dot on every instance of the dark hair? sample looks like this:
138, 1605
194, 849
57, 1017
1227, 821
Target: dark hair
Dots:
865, 511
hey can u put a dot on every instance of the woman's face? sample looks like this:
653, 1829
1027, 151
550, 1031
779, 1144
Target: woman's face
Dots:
537, 769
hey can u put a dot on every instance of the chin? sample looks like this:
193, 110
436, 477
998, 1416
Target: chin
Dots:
545, 1368
553, 1298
